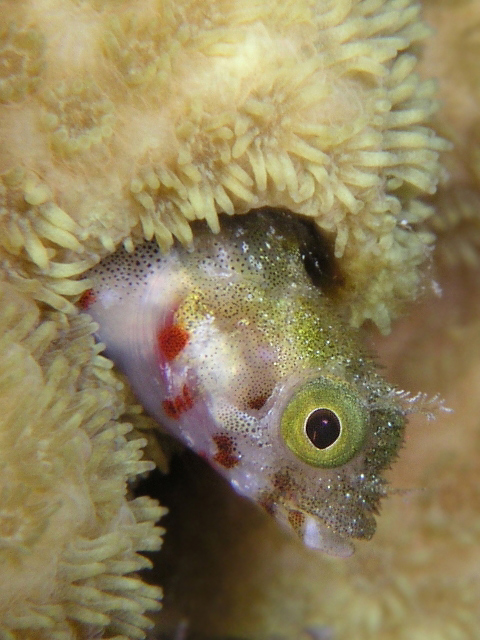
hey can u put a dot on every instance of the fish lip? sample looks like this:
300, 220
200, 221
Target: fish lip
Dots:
319, 536
351, 517
315, 533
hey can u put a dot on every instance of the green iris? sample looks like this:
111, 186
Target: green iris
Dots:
325, 422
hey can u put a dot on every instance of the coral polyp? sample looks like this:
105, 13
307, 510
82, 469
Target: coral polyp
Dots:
21, 61
78, 116
139, 46
313, 108
66, 532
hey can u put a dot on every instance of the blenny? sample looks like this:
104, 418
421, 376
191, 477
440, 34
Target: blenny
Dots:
236, 348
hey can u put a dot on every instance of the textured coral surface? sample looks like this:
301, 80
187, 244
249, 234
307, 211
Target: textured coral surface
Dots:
126, 120
68, 535
119, 122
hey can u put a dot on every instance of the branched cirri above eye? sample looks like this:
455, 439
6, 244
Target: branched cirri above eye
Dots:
325, 423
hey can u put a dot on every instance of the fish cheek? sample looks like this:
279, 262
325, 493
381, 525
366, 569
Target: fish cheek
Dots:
388, 426
338, 446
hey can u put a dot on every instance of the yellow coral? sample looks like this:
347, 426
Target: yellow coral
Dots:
454, 54
183, 111
21, 62
125, 120
78, 116
67, 533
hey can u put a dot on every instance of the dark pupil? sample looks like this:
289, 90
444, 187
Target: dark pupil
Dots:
322, 427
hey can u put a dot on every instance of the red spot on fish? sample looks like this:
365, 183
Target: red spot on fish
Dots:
172, 340
86, 300
296, 520
225, 455
169, 408
175, 406
258, 402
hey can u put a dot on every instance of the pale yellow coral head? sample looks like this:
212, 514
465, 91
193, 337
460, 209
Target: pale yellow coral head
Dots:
67, 533
127, 120
138, 121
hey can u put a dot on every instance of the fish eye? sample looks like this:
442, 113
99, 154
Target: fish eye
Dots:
325, 422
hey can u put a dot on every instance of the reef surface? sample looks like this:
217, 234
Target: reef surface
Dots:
125, 121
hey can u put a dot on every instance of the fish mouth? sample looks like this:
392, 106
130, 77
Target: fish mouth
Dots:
343, 509
318, 536
314, 533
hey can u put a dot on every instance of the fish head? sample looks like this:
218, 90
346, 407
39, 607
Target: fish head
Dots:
238, 352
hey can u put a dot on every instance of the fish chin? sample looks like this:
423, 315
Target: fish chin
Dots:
318, 536
314, 533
